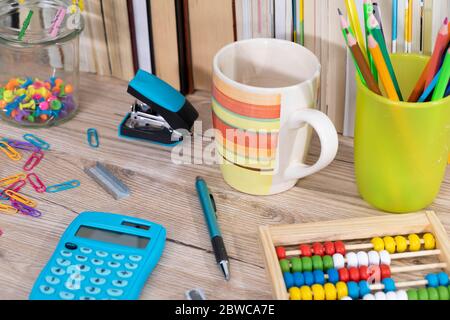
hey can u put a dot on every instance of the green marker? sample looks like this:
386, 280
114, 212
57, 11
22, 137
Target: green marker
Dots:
444, 78
26, 23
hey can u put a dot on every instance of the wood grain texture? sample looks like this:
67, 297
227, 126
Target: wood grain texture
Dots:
165, 193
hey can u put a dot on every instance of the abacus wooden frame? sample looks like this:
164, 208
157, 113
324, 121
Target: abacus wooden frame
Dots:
345, 230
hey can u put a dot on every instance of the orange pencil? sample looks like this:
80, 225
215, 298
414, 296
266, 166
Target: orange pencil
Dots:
382, 68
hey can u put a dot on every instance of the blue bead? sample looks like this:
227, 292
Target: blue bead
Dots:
333, 276
319, 277
433, 280
309, 278
443, 279
389, 285
353, 290
288, 280
299, 279
364, 288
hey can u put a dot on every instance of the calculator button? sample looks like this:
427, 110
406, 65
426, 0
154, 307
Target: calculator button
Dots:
87, 298
115, 292
103, 272
114, 264
66, 295
46, 289
52, 280
131, 266
63, 262
101, 254
93, 290
66, 253
118, 256
120, 283
81, 258
83, 268
58, 271
77, 277
86, 250
97, 262
135, 258
71, 246
98, 281
73, 285
125, 274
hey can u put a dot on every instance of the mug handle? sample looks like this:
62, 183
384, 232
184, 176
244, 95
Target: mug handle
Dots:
328, 139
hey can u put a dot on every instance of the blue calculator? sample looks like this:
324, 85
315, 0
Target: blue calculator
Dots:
101, 256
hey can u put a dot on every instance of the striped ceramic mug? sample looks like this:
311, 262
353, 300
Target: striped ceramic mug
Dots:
265, 93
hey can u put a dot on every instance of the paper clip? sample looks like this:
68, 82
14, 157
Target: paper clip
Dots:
57, 21
33, 161
22, 145
64, 186
26, 210
12, 179
25, 25
38, 142
21, 198
7, 209
92, 137
36, 183
12, 153
16, 187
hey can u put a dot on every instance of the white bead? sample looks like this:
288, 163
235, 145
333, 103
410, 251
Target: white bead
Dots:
391, 296
369, 297
352, 260
380, 295
402, 295
363, 258
385, 258
374, 258
346, 298
339, 261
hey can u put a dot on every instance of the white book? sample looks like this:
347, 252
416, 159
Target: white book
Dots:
142, 35
262, 17
289, 21
280, 19
244, 19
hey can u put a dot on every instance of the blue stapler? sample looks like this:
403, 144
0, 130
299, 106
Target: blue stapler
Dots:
161, 114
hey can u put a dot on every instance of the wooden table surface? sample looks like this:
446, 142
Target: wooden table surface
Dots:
164, 192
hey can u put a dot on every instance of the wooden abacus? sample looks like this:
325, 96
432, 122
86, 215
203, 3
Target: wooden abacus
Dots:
285, 241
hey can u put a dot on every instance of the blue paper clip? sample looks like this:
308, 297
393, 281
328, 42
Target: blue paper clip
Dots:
63, 186
38, 142
92, 137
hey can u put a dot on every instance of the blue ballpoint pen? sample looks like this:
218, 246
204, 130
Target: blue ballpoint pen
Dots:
209, 209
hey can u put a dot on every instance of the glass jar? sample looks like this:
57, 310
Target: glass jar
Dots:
39, 75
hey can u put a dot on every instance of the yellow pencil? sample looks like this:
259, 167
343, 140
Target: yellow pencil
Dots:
356, 26
406, 25
382, 68
410, 25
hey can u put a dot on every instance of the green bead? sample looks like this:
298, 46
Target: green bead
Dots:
285, 265
317, 263
423, 294
433, 294
62, 91
328, 263
31, 118
56, 105
443, 293
307, 264
1, 93
296, 265
412, 294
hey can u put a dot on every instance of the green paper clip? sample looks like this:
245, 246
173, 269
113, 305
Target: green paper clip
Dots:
25, 26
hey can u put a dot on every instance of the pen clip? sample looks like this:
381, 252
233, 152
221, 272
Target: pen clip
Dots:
213, 202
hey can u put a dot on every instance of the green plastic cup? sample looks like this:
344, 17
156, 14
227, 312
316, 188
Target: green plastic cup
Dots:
401, 148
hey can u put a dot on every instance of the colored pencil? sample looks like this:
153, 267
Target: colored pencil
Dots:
375, 30
362, 64
382, 69
410, 25
394, 25
406, 31
444, 78
422, 17
356, 26
439, 49
447, 93
378, 15
426, 93
302, 22
368, 10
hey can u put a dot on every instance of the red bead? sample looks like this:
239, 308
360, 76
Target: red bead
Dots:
343, 275
329, 248
364, 273
385, 271
281, 252
305, 250
339, 246
354, 274
318, 249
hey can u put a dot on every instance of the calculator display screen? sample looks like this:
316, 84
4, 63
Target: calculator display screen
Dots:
115, 237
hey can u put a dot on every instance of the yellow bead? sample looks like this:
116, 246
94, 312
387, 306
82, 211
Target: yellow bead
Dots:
414, 242
389, 244
330, 292
306, 293
402, 244
429, 241
318, 292
378, 244
8, 96
294, 293
342, 290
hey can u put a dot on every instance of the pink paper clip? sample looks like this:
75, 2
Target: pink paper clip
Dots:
33, 161
16, 187
36, 183
26, 210
57, 21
